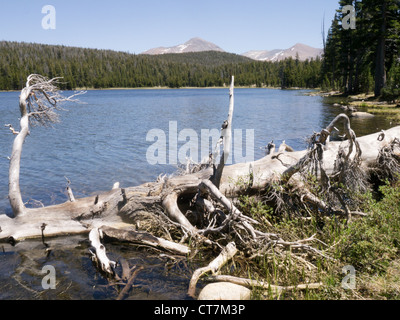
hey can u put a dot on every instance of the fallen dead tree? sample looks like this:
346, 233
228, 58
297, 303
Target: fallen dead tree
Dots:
200, 205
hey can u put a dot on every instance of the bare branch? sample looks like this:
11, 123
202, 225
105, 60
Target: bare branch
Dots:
11, 128
69, 191
43, 99
226, 254
100, 255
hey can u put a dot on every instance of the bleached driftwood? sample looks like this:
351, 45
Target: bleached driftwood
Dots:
144, 238
100, 256
226, 254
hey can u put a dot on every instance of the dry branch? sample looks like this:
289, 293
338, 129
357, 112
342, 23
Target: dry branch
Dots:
144, 238
226, 254
11, 129
129, 283
100, 256
226, 137
388, 161
69, 191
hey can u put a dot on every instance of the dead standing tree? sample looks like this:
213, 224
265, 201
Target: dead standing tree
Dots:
38, 103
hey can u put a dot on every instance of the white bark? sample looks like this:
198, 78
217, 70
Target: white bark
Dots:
226, 254
100, 255
115, 186
144, 238
71, 196
37, 103
171, 204
14, 192
226, 136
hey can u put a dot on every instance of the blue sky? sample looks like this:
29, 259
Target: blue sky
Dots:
135, 26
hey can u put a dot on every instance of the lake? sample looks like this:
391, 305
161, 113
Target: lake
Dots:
104, 139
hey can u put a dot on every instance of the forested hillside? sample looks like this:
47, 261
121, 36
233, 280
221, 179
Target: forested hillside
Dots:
365, 58
92, 68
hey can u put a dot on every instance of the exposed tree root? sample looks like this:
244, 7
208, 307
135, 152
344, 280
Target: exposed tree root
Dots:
388, 162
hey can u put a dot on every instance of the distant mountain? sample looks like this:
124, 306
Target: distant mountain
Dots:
263, 55
95, 68
305, 52
200, 45
193, 45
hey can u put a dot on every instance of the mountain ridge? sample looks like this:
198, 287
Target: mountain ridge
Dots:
304, 52
197, 44
193, 45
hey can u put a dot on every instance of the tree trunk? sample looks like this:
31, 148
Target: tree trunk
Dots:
14, 192
37, 103
226, 135
380, 72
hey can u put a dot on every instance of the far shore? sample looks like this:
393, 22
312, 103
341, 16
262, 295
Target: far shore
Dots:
364, 102
183, 88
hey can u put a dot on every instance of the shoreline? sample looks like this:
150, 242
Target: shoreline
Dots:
365, 102
180, 88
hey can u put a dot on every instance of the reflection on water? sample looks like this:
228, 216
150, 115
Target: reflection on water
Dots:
163, 277
104, 141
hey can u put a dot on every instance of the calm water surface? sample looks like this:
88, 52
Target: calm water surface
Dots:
103, 141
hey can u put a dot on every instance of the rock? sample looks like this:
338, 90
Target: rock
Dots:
361, 115
351, 109
224, 291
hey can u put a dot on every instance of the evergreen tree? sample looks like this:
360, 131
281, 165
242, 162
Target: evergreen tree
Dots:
356, 58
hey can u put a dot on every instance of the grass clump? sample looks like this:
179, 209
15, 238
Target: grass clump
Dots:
370, 244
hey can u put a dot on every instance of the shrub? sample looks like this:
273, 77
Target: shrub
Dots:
371, 243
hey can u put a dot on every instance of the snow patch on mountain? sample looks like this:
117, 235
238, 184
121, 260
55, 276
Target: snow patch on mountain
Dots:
303, 51
193, 45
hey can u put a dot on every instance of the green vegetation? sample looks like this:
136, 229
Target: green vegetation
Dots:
366, 58
92, 68
370, 244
